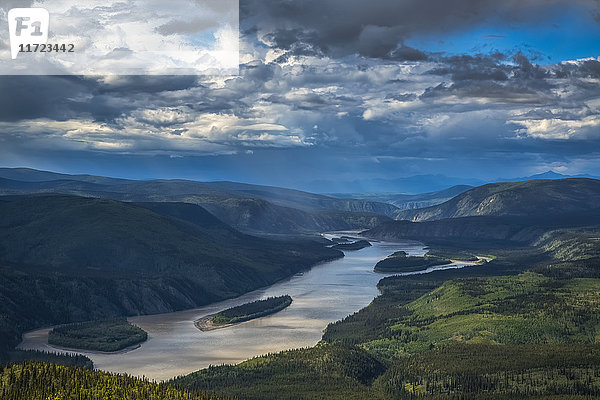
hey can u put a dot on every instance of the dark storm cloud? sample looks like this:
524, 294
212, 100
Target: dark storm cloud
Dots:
490, 77
65, 97
466, 67
406, 53
492, 91
359, 92
146, 84
584, 69
380, 27
29, 97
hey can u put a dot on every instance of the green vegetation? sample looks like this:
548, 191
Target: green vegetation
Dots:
250, 208
484, 371
255, 309
36, 381
524, 325
69, 360
463, 334
67, 259
108, 335
571, 244
451, 253
357, 245
401, 262
326, 371
539, 198
528, 308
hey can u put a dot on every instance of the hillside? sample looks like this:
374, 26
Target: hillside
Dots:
536, 198
48, 381
68, 258
409, 201
507, 337
524, 230
251, 208
523, 325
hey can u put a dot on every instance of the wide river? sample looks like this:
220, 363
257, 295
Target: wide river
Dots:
325, 293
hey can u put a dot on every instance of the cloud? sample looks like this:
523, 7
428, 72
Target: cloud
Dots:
196, 25
560, 129
133, 37
331, 92
338, 28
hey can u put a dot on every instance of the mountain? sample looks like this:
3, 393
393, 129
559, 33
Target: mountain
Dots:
545, 175
34, 175
411, 184
419, 183
410, 201
66, 258
543, 198
502, 229
251, 208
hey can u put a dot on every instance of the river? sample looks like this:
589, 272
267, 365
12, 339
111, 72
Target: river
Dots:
325, 293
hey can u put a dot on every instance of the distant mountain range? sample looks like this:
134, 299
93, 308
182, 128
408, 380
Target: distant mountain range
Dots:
410, 201
250, 208
540, 197
419, 183
519, 211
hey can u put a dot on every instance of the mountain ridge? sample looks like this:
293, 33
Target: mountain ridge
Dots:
250, 208
67, 258
526, 198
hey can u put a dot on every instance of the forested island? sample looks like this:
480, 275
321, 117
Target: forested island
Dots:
400, 261
357, 245
108, 335
245, 312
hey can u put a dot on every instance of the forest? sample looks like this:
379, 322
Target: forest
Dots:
402, 262
255, 309
523, 325
106, 335
66, 359
356, 245
39, 381
508, 329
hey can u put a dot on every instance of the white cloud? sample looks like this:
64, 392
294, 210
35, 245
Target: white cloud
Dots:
556, 128
120, 38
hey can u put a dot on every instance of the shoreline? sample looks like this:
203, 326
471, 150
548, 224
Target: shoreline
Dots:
195, 350
205, 324
81, 351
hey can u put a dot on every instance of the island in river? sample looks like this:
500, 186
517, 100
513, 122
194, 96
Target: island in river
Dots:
356, 245
400, 261
107, 335
244, 312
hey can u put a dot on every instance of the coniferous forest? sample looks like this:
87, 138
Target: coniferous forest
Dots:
106, 335
255, 309
43, 381
523, 324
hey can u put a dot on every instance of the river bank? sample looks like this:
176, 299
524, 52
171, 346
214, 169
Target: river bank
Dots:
327, 292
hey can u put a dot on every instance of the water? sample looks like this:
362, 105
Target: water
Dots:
326, 293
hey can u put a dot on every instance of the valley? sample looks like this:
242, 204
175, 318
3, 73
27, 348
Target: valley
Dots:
325, 293
373, 311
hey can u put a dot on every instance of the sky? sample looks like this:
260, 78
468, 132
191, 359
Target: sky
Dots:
338, 94
124, 38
